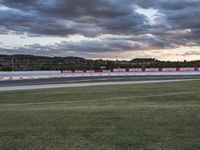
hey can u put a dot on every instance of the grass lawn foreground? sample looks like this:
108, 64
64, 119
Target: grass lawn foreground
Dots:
162, 116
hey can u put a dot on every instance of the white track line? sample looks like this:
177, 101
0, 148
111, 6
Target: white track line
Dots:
50, 86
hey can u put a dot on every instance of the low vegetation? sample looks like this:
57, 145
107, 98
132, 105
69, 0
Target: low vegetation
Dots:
29, 62
143, 117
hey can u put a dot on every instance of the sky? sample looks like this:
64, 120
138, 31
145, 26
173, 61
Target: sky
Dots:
101, 29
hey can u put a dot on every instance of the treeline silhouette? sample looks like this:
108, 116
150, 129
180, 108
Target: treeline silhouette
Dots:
29, 62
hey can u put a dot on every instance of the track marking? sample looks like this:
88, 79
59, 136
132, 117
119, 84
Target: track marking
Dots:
105, 99
51, 86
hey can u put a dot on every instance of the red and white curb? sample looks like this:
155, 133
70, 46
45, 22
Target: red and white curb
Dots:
114, 74
7, 78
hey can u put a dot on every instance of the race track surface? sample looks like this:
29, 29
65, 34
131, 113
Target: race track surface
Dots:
49, 86
78, 79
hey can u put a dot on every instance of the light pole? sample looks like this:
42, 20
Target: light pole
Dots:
13, 63
61, 66
117, 62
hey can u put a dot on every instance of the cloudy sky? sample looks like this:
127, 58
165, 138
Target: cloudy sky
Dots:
108, 29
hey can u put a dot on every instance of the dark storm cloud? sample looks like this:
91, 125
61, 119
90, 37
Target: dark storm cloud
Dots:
180, 20
176, 24
73, 8
179, 14
54, 16
32, 23
167, 4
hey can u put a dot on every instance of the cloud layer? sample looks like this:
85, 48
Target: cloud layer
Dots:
114, 25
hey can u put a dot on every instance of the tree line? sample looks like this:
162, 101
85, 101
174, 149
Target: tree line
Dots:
31, 63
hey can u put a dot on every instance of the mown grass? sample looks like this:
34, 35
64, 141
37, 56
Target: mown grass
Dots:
142, 117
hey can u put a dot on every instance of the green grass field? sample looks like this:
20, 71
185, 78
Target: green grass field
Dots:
162, 116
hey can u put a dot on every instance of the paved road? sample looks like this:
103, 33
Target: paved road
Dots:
49, 86
76, 79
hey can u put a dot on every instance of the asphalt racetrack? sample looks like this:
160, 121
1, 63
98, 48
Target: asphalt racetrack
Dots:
76, 82
82, 79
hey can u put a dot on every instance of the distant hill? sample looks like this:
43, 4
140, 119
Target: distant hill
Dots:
30, 62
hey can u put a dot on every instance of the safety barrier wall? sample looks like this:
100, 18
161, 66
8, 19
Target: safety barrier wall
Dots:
113, 72
27, 72
19, 75
178, 69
